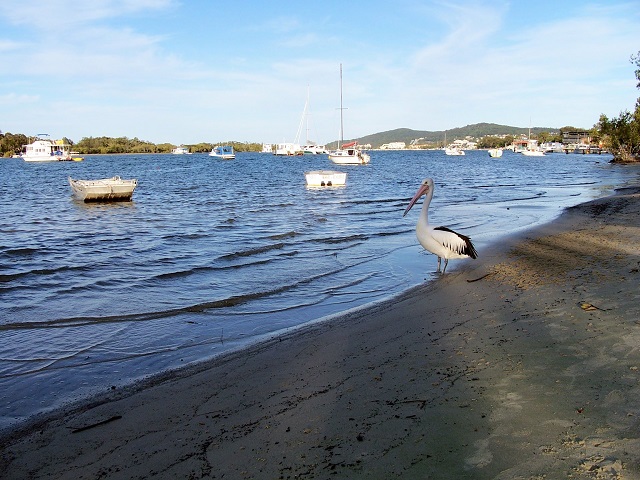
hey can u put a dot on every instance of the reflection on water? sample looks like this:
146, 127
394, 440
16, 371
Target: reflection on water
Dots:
211, 255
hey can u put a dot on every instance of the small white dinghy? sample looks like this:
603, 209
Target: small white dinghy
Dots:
325, 178
112, 189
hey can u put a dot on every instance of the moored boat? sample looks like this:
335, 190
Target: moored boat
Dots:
103, 190
225, 152
325, 178
46, 151
314, 149
181, 150
347, 154
288, 149
495, 152
533, 153
453, 150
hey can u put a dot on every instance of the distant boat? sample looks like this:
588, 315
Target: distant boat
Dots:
314, 149
532, 149
453, 150
103, 190
309, 147
325, 178
288, 149
46, 151
224, 152
495, 152
267, 148
347, 154
533, 153
181, 151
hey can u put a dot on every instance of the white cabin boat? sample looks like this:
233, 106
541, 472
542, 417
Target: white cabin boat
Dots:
103, 190
288, 149
314, 149
181, 151
325, 178
495, 152
349, 155
46, 151
267, 148
532, 149
224, 152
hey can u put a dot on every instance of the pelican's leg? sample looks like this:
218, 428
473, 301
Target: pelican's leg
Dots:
438, 271
446, 261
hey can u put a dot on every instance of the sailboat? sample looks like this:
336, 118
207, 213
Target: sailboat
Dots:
309, 147
532, 149
347, 154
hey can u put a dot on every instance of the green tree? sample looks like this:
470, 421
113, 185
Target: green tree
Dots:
621, 134
11, 144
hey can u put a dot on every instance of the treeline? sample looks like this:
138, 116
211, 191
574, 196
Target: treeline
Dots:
621, 134
109, 145
12, 144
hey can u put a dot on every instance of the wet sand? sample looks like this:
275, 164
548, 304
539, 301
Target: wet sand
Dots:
523, 364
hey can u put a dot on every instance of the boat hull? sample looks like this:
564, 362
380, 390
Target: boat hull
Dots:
112, 189
325, 178
349, 157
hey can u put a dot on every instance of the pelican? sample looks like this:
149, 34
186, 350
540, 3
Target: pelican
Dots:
440, 241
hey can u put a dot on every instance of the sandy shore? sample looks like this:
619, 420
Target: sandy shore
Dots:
524, 364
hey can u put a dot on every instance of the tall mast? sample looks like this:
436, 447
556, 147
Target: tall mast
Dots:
341, 110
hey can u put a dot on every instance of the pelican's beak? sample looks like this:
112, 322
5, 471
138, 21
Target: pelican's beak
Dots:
421, 191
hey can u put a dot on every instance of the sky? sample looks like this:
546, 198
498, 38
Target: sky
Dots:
192, 71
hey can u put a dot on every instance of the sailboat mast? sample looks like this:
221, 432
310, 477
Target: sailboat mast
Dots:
341, 112
307, 108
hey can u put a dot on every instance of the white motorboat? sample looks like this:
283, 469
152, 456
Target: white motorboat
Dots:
532, 153
325, 178
47, 151
181, 151
495, 152
288, 149
103, 190
347, 154
224, 152
314, 149
453, 150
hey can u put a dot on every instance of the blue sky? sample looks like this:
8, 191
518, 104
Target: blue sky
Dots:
208, 71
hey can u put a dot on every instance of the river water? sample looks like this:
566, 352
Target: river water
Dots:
212, 255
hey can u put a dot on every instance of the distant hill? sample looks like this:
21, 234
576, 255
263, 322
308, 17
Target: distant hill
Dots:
477, 130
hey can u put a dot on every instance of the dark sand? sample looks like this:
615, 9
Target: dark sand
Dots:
523, 364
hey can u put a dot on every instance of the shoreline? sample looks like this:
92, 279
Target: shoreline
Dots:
521, 363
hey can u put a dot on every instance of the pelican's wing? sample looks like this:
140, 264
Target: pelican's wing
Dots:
454, 241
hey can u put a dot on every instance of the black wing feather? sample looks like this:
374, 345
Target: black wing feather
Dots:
469, 249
